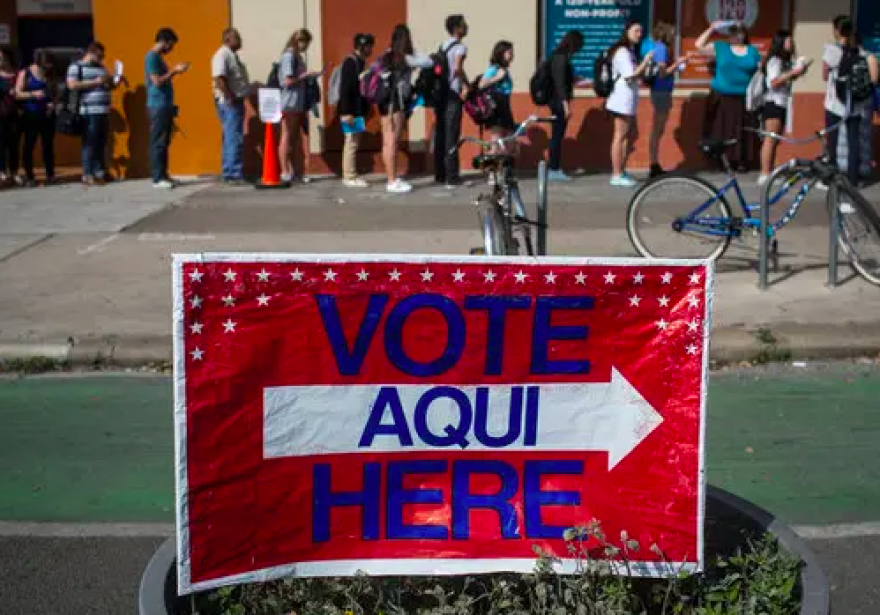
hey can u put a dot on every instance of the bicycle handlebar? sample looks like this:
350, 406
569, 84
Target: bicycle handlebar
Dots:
532, 119
820, 134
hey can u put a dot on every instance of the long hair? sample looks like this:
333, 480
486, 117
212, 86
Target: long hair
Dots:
777, 49
624, 41
846, 29
401, 46
571, 43
498, 52
301, 35
663, 32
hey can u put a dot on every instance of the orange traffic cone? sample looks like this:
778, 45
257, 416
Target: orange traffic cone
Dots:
271, 168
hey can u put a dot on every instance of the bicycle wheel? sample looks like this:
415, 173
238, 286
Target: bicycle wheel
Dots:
522, 232
859, 231
492, 227
679, 216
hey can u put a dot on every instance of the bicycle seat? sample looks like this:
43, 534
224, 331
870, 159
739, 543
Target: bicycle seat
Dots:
486, 160
716, 147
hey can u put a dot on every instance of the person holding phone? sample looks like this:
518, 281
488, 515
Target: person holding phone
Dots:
160, 104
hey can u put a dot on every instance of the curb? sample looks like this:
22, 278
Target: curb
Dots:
732, 344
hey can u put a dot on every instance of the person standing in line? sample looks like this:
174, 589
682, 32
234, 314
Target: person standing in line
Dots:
448, 114
662, 84
293, 75
501, 124
399, 61
353, 106
736, 62
10, 135
93, 83
780, 71
231, 87
624, 99
841, 103
37, 92
562, 76
160, 104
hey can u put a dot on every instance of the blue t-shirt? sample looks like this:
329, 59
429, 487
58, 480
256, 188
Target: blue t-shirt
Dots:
505, 86
732, 72
661, 56
158, 96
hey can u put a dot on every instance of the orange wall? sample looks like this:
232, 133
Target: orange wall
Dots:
128, 30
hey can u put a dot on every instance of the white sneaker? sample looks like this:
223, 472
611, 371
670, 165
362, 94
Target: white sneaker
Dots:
822, 186
623, 181
762, 179
847, 209
357, 182
163, 185
398, 186
286, 178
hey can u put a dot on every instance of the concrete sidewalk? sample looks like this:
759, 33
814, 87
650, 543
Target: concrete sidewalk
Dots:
90, 279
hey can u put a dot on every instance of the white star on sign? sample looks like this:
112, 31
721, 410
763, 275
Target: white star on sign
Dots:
490, 276
394, 275
196, 328
609, 278
229, 301
664, 301
363, 275
196, 276
692, 349
458, 276
662, 324
296, 275
694, 301
695, 278
197, 354
581, 278
550, 278
635, 301
694, 326
666, 278
263, 300
520, 277
230, 275
263, 276
195, 302
229, 326
427, 275
638, 278
329, 276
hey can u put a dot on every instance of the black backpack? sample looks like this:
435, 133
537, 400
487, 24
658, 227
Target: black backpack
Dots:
853, 78
541, 84
272, 80
603, 75
68, 120
433, 83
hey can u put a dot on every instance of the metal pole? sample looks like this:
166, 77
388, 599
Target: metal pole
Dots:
833, 230
542, 208
764, 240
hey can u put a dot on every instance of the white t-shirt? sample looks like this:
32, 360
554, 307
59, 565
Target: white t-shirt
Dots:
625, 96
226, 63
832, 56
780, 96
459, 49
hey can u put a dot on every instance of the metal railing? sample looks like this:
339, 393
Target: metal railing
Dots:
542, 208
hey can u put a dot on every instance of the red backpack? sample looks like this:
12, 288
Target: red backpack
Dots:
480, 104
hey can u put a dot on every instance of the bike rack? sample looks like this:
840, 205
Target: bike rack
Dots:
542, 208
833, 237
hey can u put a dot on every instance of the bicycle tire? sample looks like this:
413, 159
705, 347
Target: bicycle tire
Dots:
845, 235
642, 196
492, 227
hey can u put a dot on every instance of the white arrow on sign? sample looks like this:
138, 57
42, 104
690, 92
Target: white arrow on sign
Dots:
322, 420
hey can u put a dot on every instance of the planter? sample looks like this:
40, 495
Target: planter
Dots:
727, 516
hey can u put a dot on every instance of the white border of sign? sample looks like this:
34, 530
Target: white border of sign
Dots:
433, 567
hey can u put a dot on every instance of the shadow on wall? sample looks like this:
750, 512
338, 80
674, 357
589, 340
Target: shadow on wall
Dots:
135, 120
689, 131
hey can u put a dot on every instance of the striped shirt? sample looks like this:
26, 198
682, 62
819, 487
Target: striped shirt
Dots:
95, 100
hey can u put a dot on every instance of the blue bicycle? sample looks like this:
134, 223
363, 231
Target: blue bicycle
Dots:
700, 222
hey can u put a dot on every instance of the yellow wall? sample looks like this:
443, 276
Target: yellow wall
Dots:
812, 31
128, 30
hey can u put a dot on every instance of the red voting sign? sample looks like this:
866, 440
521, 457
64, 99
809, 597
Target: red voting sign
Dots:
434, 415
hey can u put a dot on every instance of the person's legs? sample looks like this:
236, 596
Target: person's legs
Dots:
349, 157
47, 144
88, 147
854, 148
295, 153
4, 147
832, 136
232, 122
618, 144
454, 108
658, 128
768, 148
284, 145
389, 147
440, 145
99, 145
556, 137
159, 138
31, 129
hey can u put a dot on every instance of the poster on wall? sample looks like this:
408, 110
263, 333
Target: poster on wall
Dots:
868, 24
31, 8
762, 18
600, 21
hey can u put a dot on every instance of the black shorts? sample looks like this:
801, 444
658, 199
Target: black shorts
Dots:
772, 111
503, 115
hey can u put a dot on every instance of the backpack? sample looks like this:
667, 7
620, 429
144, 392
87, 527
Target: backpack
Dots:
603, 75
334, 86
480, 104
756, 93
272, 80
853, 80
68, 120
432, 84
375, 83
541, 84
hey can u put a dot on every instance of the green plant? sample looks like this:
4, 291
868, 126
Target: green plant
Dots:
31, 365
770, 351
761, 578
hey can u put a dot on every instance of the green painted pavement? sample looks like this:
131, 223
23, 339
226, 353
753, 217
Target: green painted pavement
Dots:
803, 443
